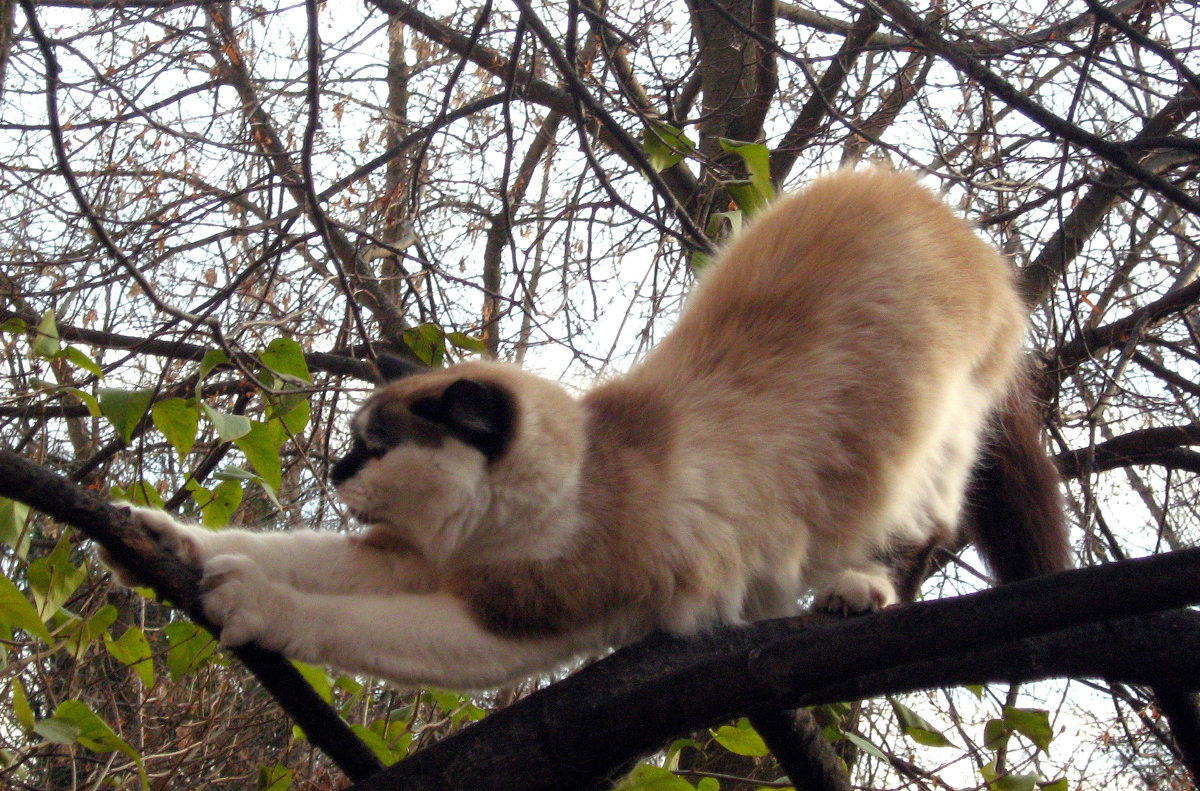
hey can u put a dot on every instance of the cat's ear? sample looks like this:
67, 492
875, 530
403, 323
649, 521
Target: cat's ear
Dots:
478, 413
392, 367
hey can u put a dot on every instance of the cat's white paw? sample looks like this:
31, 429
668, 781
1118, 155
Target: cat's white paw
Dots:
169, 536
853, 592
246, 606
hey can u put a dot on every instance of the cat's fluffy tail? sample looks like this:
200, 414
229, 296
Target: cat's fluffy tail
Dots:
1014, 509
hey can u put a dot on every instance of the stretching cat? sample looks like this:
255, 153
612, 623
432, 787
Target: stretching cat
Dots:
811, 423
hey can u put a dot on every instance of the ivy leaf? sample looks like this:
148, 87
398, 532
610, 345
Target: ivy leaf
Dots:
132, 649
665, 145
177, 419
124, 409
917, 728
741, 739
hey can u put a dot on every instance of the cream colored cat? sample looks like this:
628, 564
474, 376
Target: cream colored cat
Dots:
811, 423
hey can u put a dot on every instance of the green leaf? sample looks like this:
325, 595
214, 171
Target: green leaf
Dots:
467, 343
284, 356
747, 196
665, 145
217, 505
229, 427
212, 358
262, 452
132, 649
427, 342
15, 610
864, 745
274, 778
647, 777
95, 734
45, 344
177, 419
995, 734
52, 579
708, 784
140, 493
82, 635
13, 326
81, 360
57, 730
1058, 785
1012, 782
14, 525
758, 164
718, 220
124, 409
190, 647
377, 744
699, 260
317, 678
22, 711
1033, 724
917, 728
86, 398
741, 739
976, 690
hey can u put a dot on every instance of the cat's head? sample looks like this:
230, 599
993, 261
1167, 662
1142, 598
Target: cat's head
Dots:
462, 459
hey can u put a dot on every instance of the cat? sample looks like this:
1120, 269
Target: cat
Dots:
813, 422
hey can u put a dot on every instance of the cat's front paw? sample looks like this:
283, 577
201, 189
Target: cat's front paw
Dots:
168, 535
246, 606
855, 592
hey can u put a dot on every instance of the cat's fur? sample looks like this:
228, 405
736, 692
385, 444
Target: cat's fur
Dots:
817, 411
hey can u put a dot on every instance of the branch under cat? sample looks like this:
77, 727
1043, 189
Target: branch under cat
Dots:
112, 529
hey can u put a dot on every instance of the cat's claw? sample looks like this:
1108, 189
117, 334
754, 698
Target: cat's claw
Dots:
856, 592
168, 535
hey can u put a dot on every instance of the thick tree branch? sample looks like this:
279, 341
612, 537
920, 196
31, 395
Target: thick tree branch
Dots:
111, 528
1156, 445
1085, 623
